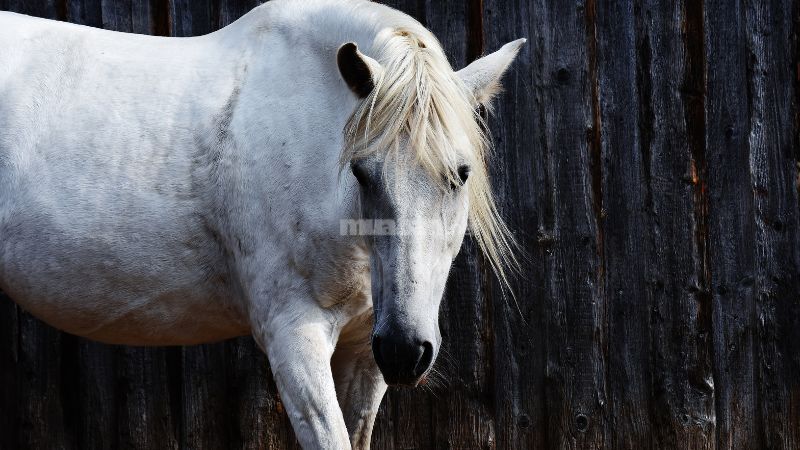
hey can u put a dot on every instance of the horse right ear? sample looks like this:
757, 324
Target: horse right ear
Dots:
358, 70
482, 76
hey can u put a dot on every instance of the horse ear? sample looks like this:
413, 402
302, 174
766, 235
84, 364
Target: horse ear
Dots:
483, 75
358, 70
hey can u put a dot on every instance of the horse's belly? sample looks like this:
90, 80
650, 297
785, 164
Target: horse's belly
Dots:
158, 320
107, 310
114, 285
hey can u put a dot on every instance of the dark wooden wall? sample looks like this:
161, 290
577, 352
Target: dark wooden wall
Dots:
647, 157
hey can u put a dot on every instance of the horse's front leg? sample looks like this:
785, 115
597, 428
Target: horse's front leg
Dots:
359, 383
299, 344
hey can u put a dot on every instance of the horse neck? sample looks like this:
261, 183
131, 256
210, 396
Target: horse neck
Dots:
285, 131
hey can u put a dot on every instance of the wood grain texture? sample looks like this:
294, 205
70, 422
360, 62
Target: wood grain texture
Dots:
193, 17
521, 161
625, 220
773, 177
671, 93
646, 157
732, 229
550, 365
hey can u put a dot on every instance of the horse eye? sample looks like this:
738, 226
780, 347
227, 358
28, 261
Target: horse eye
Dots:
463, 173
360, 173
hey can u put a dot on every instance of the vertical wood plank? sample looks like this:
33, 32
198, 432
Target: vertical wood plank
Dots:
519, 169
544, 133
9, 360
142, 17
145, 386
231, 10
204, 415
40, 410
39, 8
92, 372
773, 176
97, 404
790, 339
731, 225
625, 223
671, 91
193, 17
145, 417
116, 15
85, 12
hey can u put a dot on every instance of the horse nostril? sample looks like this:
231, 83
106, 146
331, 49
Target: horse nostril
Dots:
425, 360
402, 361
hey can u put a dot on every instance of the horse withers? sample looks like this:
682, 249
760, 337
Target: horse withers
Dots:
305, 175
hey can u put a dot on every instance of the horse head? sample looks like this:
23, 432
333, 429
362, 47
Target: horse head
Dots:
417, 149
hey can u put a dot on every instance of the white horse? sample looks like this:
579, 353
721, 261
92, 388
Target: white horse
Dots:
163, 191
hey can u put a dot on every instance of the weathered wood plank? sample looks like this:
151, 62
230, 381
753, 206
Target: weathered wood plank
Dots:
791, 318
205, 416
773, 176
97, 406
732, 230
543, 129
40, 8
670, 85
520, 165
142, 389
624, 170
40, 409
9, 360
146, 416
86, 12
383, 431
193, 17
132, 16
229, 11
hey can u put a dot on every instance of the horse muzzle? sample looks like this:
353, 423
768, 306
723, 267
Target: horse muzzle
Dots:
402, 360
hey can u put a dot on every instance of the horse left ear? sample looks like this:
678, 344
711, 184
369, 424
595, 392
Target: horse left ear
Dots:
483, 75
358, 70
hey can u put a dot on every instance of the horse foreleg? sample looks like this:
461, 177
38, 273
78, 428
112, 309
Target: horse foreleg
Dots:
299, 351
359, 383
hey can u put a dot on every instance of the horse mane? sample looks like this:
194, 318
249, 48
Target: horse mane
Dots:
419, 103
